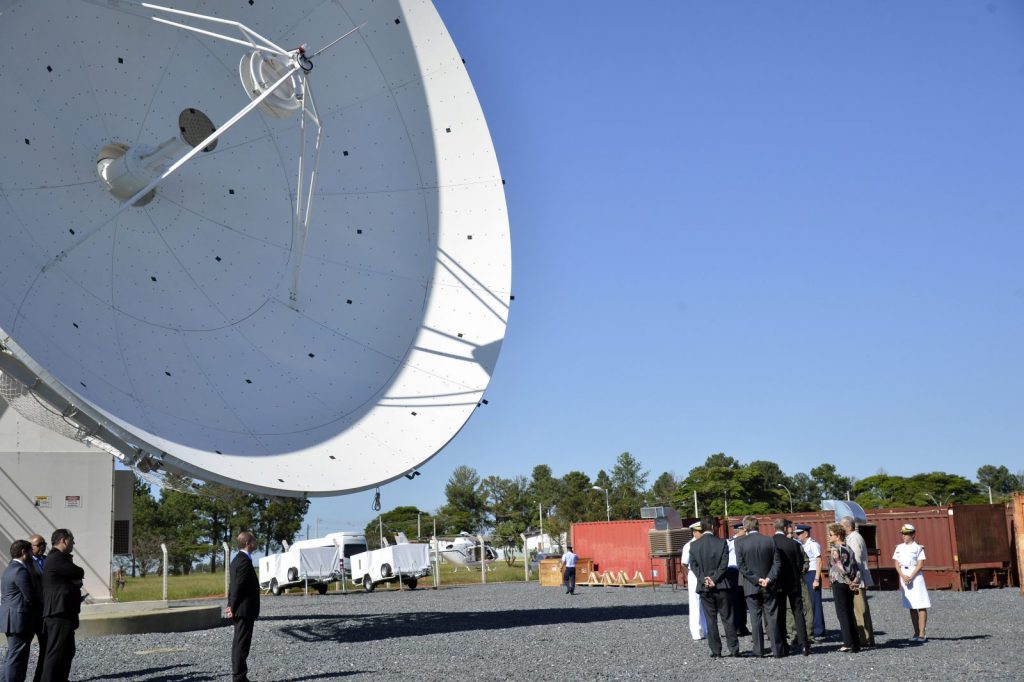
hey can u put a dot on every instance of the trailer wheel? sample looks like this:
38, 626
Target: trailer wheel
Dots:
385, 570
293, 574
411, 583
367, 584
275, 589
321, 588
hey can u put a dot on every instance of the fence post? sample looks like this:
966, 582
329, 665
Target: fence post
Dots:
483, 559
227, 564
526, 560
163, 548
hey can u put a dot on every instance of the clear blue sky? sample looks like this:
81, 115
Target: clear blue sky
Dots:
789, 231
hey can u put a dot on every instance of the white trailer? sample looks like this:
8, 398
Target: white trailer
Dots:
405, 562
314, 562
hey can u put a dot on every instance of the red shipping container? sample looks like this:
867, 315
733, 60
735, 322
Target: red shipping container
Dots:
617, 546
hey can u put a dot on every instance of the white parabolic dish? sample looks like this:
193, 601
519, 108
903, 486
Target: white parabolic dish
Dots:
172, 324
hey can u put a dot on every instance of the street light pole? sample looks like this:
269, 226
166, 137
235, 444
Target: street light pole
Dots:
790, 497
607, 504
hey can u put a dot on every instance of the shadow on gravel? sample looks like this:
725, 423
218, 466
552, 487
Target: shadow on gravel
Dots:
161, 674
370, 628
326, 676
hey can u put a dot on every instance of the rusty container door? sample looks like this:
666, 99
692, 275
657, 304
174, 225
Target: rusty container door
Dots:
981, 535
1018, 523
616, 546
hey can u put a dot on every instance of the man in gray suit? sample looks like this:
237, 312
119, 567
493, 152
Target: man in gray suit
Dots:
759, 565
18, 601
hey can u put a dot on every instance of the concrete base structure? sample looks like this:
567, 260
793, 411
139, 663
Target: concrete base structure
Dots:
135, 618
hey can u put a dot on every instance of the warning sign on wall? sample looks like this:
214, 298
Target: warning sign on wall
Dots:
72, 500
43, 501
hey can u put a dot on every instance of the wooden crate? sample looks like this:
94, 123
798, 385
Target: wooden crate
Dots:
551, 575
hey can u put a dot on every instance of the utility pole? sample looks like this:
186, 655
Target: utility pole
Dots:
540, 510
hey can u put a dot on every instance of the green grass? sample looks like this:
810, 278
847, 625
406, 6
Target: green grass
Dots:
199, 585
178, 587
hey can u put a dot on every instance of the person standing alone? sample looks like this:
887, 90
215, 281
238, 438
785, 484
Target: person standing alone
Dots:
62, 602
18, 600
569, 570
243, 605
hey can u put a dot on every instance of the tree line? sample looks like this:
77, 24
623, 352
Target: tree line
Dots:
194, 525
503, 508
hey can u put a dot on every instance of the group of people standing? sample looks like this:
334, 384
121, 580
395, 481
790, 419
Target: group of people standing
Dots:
41, 596
775, 583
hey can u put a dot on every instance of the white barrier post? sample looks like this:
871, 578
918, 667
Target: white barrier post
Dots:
526, 560
163, 548
483, 559
227, 567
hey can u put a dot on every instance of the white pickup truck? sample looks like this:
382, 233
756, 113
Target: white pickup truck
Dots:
314, 562
406, 562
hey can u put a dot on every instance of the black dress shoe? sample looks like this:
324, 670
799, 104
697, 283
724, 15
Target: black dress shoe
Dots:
807, 651
737, 654
714, 655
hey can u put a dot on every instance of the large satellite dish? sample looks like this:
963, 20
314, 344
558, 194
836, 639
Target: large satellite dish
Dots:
258, 243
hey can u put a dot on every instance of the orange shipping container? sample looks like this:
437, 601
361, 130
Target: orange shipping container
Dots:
616, 546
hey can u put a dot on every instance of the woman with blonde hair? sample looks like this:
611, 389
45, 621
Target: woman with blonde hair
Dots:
844, 576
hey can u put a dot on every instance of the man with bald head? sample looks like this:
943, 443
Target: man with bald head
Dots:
243, 604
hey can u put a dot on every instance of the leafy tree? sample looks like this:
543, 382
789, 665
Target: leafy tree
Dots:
147, 533
221, 513
663, 490
1000, 480
510, 506
579, 501
806, 493
544, 489
940, 488
398, 520
831, 486
466, 509
277, 519
717, 482
180, 525
629, 484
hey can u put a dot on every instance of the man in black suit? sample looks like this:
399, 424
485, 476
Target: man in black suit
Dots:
759, 567
62, 602
36, 564
790, 585
709, 561
243, 604
18, 601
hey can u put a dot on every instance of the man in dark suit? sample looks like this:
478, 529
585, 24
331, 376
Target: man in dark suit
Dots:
709, 561
62, 602
759, 567
790, 586
18, 600
243, 604
36, 564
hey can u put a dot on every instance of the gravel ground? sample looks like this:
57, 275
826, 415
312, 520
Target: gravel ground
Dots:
526, 632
